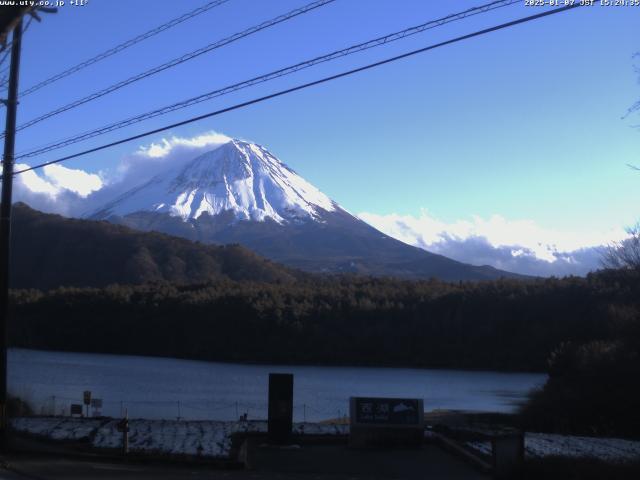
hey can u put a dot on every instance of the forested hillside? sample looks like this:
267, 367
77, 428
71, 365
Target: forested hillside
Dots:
51, 251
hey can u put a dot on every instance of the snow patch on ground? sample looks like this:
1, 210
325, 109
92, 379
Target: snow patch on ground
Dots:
57, 428
197, 438
213, 438
538, 445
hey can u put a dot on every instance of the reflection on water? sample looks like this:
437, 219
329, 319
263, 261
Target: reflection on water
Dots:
152, 387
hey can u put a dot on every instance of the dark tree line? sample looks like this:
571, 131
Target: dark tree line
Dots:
503, 325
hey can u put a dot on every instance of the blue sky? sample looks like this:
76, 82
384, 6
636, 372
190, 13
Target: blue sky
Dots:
524, 123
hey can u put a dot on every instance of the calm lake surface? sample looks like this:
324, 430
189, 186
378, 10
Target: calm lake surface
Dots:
150, 387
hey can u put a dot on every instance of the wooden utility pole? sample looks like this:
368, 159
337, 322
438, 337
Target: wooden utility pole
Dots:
5, 219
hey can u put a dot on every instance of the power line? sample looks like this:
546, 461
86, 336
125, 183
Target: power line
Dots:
269, 76
4, 73
308, 85
123, 46
177, 61
5, 56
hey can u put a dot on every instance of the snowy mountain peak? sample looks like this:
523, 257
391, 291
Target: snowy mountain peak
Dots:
238, 177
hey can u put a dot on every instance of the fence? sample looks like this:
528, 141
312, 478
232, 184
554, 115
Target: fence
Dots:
185, 409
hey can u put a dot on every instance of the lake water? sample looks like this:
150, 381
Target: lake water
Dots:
150, 387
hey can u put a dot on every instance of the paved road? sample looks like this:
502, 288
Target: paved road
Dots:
312, 463
428, 462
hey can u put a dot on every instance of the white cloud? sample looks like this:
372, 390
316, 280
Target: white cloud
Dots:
32, 182
516, 245
55, 190
167, 145
74, 180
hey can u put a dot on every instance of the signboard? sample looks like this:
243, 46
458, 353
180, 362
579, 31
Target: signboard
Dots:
76, 409
388, 411
376, 422
280, 407
87, 397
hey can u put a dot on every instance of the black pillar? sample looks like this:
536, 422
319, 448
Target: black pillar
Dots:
280, 407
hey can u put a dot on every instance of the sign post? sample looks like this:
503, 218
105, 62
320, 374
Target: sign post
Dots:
86, 396
76, 409
386, 422
123, 426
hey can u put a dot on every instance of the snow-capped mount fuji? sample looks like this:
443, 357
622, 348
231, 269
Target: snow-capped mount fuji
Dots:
241, 193
240, 178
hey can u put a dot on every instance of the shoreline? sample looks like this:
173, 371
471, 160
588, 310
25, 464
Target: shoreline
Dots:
278, 365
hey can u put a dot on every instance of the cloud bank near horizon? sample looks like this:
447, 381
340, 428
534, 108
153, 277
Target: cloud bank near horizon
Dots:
519, 246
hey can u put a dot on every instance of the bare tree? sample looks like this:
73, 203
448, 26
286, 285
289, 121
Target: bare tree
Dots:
624, 254
635, 108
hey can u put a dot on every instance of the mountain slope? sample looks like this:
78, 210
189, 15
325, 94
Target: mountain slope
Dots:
51, 251
241, 193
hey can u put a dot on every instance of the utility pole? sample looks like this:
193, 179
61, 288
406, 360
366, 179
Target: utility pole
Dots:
5, 219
